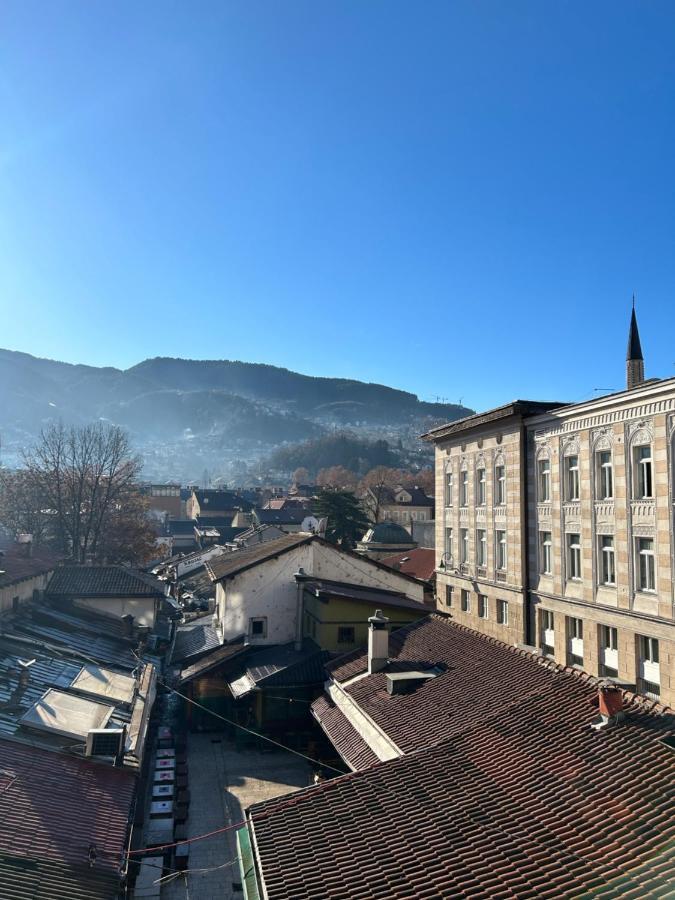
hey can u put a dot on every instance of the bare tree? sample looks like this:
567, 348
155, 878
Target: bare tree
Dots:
337, 477
86, 478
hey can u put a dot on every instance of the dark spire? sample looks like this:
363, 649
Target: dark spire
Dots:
634, 349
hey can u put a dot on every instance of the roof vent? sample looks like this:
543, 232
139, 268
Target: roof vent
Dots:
407, 682
107, 742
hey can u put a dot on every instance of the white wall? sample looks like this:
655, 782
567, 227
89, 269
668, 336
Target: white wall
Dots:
23, 590
143, 611
270, 590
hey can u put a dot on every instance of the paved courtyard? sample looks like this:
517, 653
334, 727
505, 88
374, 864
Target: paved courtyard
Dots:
223, 782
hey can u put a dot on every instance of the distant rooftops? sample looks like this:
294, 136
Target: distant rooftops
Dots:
103, 581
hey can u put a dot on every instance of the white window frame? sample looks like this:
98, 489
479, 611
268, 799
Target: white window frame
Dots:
483, 607
481, 547
573, 548
464, 545
501, 557
545, 553
481, 486
572, 486
645, 565
500, 485
649, 668
609, 651
449, 558
607, 559
644, 472
544, 480
502, 612
464, 487
449, 485
547, 636
605, 475
465, 601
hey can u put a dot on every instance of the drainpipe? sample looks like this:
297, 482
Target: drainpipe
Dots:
300, 575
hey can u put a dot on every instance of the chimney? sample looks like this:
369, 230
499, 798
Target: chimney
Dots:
610, 705
26, 541
378, 642
635, 366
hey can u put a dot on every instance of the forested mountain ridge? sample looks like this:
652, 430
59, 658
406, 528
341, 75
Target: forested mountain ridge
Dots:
225, 405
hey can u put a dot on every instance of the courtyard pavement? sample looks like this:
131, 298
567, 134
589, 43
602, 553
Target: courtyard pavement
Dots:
223, 782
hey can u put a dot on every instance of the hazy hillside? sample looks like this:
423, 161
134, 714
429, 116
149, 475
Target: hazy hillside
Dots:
186, 414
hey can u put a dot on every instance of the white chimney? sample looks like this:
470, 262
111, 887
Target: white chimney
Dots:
378, 642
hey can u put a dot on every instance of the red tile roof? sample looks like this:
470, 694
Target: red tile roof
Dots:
420, 563
15, 566
52, 808
346, 739
504, 792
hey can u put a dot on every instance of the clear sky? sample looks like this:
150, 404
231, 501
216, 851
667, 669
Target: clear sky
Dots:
457, 198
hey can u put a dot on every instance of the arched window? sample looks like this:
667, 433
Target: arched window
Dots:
500, 481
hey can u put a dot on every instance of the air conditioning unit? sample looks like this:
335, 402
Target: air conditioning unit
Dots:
105, 742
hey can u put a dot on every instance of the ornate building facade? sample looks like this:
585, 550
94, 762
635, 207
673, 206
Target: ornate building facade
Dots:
555, 528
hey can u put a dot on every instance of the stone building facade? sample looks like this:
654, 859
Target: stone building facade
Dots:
584, 497
480, 529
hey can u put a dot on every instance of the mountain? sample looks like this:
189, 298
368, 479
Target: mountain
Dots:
184, 414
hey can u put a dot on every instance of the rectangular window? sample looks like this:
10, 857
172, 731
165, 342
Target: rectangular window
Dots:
500, 484
547, 632
481, 482
646, 567
481, 547
258, 627
465, 601
448, 546
448, 488
643, 473
483, 611
500, 546
573, 556
346, 634
607, 563
575, 641
464, 488
448, 594
605, 475
572, 477
545, 557
649, 670
609, 652
502, 612
544, 480
464, 545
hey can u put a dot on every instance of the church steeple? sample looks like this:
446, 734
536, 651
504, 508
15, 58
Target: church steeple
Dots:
635, 366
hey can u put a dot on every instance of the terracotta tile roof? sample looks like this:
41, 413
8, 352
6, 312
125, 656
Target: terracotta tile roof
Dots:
52, 808
103, 581
345, 738
512, 794
420, 563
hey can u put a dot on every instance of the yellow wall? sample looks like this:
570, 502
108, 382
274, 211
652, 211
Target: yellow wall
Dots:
323, 619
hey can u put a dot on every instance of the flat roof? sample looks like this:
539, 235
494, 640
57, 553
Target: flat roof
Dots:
66, 714
105, 683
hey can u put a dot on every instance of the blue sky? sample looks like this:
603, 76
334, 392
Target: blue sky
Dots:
456, 198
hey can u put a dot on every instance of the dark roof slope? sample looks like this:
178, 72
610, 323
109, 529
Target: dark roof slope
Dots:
52, 808
230, 564
515, 408
194, 640
289, 515
15, 566
220, 500
324, 588
509, 794
103, 581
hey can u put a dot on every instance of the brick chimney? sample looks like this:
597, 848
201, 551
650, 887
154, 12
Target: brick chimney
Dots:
610, 705
378, 642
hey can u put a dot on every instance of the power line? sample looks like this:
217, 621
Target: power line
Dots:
257, 734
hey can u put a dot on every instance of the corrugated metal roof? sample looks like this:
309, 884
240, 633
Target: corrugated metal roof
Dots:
52, 809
